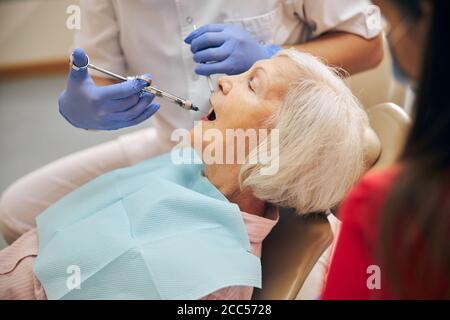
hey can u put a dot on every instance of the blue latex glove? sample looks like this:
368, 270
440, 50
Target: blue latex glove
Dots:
226, 48
111, 107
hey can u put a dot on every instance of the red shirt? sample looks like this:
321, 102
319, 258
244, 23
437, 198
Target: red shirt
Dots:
354, 262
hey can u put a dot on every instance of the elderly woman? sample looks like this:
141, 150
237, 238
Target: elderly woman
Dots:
194, 230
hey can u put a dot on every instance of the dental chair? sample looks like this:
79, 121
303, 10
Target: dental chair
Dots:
297, 242
391, 124
383, 86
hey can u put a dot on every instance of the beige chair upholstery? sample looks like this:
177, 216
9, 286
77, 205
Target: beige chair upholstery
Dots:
390, 123
297, 242
289, 253
378, 85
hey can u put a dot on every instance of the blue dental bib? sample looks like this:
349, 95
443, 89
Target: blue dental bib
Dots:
156, 230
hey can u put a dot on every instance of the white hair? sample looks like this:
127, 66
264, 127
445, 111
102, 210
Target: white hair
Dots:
321, 141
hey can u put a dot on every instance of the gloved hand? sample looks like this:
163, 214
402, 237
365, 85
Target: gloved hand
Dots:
112, 107
226, 48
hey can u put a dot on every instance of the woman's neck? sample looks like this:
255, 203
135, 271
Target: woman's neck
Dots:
226, 179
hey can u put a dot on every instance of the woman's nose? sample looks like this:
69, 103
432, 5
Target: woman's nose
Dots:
224, 85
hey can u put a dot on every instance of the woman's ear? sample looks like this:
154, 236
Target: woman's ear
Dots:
372, 148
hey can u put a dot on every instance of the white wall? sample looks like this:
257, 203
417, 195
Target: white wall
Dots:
34, 30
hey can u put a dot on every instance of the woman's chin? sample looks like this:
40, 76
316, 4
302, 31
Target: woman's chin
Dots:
197, 140
201, 128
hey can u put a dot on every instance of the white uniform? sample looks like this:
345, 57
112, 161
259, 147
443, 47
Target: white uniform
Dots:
136, 37
140, 36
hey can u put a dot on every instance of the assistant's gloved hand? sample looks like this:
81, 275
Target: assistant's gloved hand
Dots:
226, 48
112, 107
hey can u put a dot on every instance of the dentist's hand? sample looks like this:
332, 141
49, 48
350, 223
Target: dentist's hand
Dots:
226, 48
111, 107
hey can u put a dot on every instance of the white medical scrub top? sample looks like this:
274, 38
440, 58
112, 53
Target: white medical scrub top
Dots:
146, 36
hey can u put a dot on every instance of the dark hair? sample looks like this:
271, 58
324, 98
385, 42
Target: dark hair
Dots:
411, 8
415, 225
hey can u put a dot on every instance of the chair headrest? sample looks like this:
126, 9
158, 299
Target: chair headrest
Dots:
390, 123
372, 148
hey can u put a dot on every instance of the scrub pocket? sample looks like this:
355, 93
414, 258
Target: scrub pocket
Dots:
267, 28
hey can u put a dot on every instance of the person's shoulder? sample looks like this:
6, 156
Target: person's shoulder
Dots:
369, 194
379, 181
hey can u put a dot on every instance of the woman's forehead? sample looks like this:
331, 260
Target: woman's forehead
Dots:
281, 72
278, 66
280, 69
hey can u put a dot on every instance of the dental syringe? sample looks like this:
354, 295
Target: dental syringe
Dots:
183, 103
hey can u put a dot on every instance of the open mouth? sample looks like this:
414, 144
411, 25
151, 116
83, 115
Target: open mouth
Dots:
211, 115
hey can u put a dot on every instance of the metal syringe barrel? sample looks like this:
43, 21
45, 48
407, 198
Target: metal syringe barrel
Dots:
185, 104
